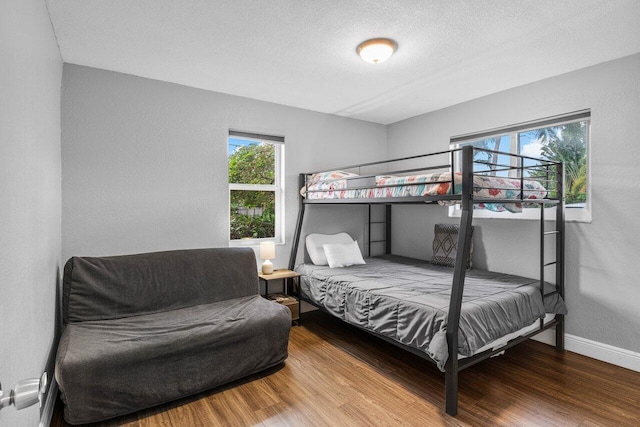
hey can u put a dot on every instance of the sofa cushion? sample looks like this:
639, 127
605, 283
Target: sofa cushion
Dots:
131, 285
107, 368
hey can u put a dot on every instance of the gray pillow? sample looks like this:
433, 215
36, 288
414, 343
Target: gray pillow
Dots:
445, 245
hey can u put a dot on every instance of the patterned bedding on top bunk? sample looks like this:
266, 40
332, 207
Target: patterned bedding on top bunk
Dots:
333, 185
407, 300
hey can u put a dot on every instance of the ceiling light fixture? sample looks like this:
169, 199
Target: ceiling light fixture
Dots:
376, 51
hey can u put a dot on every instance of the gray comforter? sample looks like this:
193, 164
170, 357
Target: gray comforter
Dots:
407, 300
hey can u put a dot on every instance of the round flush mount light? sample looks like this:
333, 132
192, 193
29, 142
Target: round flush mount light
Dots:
376, 51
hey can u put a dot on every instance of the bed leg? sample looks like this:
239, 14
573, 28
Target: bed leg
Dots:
560, 333
451, 392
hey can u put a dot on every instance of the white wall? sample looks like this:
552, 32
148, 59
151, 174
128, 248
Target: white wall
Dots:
30, 77
601, 257
145, 162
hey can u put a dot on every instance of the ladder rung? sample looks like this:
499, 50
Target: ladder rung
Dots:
551, 232
550, 263
377, 241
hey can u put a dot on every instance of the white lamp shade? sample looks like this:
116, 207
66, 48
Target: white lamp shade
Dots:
267, 250
376, 51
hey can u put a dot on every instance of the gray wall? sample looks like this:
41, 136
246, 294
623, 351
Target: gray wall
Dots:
144, 168
145, 162
30, 79
601, 278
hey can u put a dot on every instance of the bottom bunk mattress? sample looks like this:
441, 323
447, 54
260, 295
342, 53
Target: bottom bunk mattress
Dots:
407, 300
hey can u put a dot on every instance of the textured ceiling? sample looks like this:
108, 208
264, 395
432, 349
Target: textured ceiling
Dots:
302, 52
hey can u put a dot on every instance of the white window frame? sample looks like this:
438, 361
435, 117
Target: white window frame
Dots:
571, 214
277, 188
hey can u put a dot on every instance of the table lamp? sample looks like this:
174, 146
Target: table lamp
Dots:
267, 253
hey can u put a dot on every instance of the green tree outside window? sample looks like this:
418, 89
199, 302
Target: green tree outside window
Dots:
252, 211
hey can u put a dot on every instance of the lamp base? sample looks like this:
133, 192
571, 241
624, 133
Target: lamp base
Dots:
267, 267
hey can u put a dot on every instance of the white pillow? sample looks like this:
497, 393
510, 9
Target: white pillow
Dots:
315, 241
343, 254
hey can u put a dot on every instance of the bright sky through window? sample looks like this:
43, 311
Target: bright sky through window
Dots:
235, 143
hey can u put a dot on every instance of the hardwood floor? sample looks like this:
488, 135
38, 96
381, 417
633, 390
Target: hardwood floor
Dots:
337, 375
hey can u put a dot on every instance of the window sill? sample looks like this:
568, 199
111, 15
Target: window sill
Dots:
252, 243
581, 215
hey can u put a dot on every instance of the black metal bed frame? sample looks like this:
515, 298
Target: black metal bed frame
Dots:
467, 201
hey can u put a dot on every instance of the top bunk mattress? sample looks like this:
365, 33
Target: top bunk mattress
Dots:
336, 185
407, 300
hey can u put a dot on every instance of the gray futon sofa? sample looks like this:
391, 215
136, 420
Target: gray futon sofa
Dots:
142, 330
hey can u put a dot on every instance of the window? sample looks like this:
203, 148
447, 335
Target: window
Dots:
562, 139
255, 188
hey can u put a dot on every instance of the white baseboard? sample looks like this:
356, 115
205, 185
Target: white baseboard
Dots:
596, 350
49, 405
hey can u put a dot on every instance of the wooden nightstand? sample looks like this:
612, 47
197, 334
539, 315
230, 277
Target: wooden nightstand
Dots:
290, 302
291, 284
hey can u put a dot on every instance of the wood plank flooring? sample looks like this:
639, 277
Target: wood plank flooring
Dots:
337, 375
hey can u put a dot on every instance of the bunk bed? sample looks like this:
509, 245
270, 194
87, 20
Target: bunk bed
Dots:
451, 316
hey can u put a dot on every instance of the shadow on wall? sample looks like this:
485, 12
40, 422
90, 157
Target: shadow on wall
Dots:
602, 307
57, 332
602, 302
479, 256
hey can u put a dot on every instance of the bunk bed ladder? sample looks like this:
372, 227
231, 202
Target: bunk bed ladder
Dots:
558, 263
387, 230
560, 247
